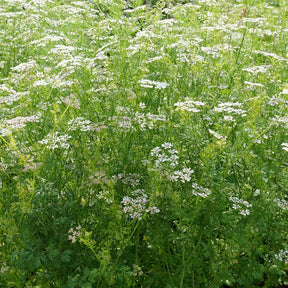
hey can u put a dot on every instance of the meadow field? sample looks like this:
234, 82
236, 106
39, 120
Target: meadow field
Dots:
143, 144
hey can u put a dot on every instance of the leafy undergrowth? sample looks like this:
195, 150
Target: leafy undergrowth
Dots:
143, 145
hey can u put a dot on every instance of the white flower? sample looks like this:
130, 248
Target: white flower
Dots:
285, 91
184, 175
146, 83
155, 151
20, 122
283, 204
229, 107
167, 145
244, 212
239, 204
153, 210
254, 84
282, 256
200, 191
189, 105
275, 56
55, 140
24, 67
285, 146
228, 118
79, 123
142, 105
136, 205
257, 69
216, 135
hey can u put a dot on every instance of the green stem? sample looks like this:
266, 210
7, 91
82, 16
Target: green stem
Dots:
136, 253
183, 265
126, 244
241, 45
29, 202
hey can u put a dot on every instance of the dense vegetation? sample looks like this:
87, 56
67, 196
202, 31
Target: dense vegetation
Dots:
143, 145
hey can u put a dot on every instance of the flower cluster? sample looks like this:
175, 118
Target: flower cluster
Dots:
31, 165
56, 81
55, 140
282, 203
189, 105
269, 54
4, 268
282, 256
137, 204
148, 120
98, 178
231, 107
130, 179
24, 67
165, 154
198, 190
20, 122
284, 91
211, 51
257, 69
123, 122
79, 123
146, 83
283, 121
45, 40
216, 135
62, 50
183, 176
73, 234
16, 123
137, 271
72, 101
241, 205
13, 97
285, 146
106, 196
98, 127
253, 84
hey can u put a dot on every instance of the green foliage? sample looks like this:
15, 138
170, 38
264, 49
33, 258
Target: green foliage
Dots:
143, 144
